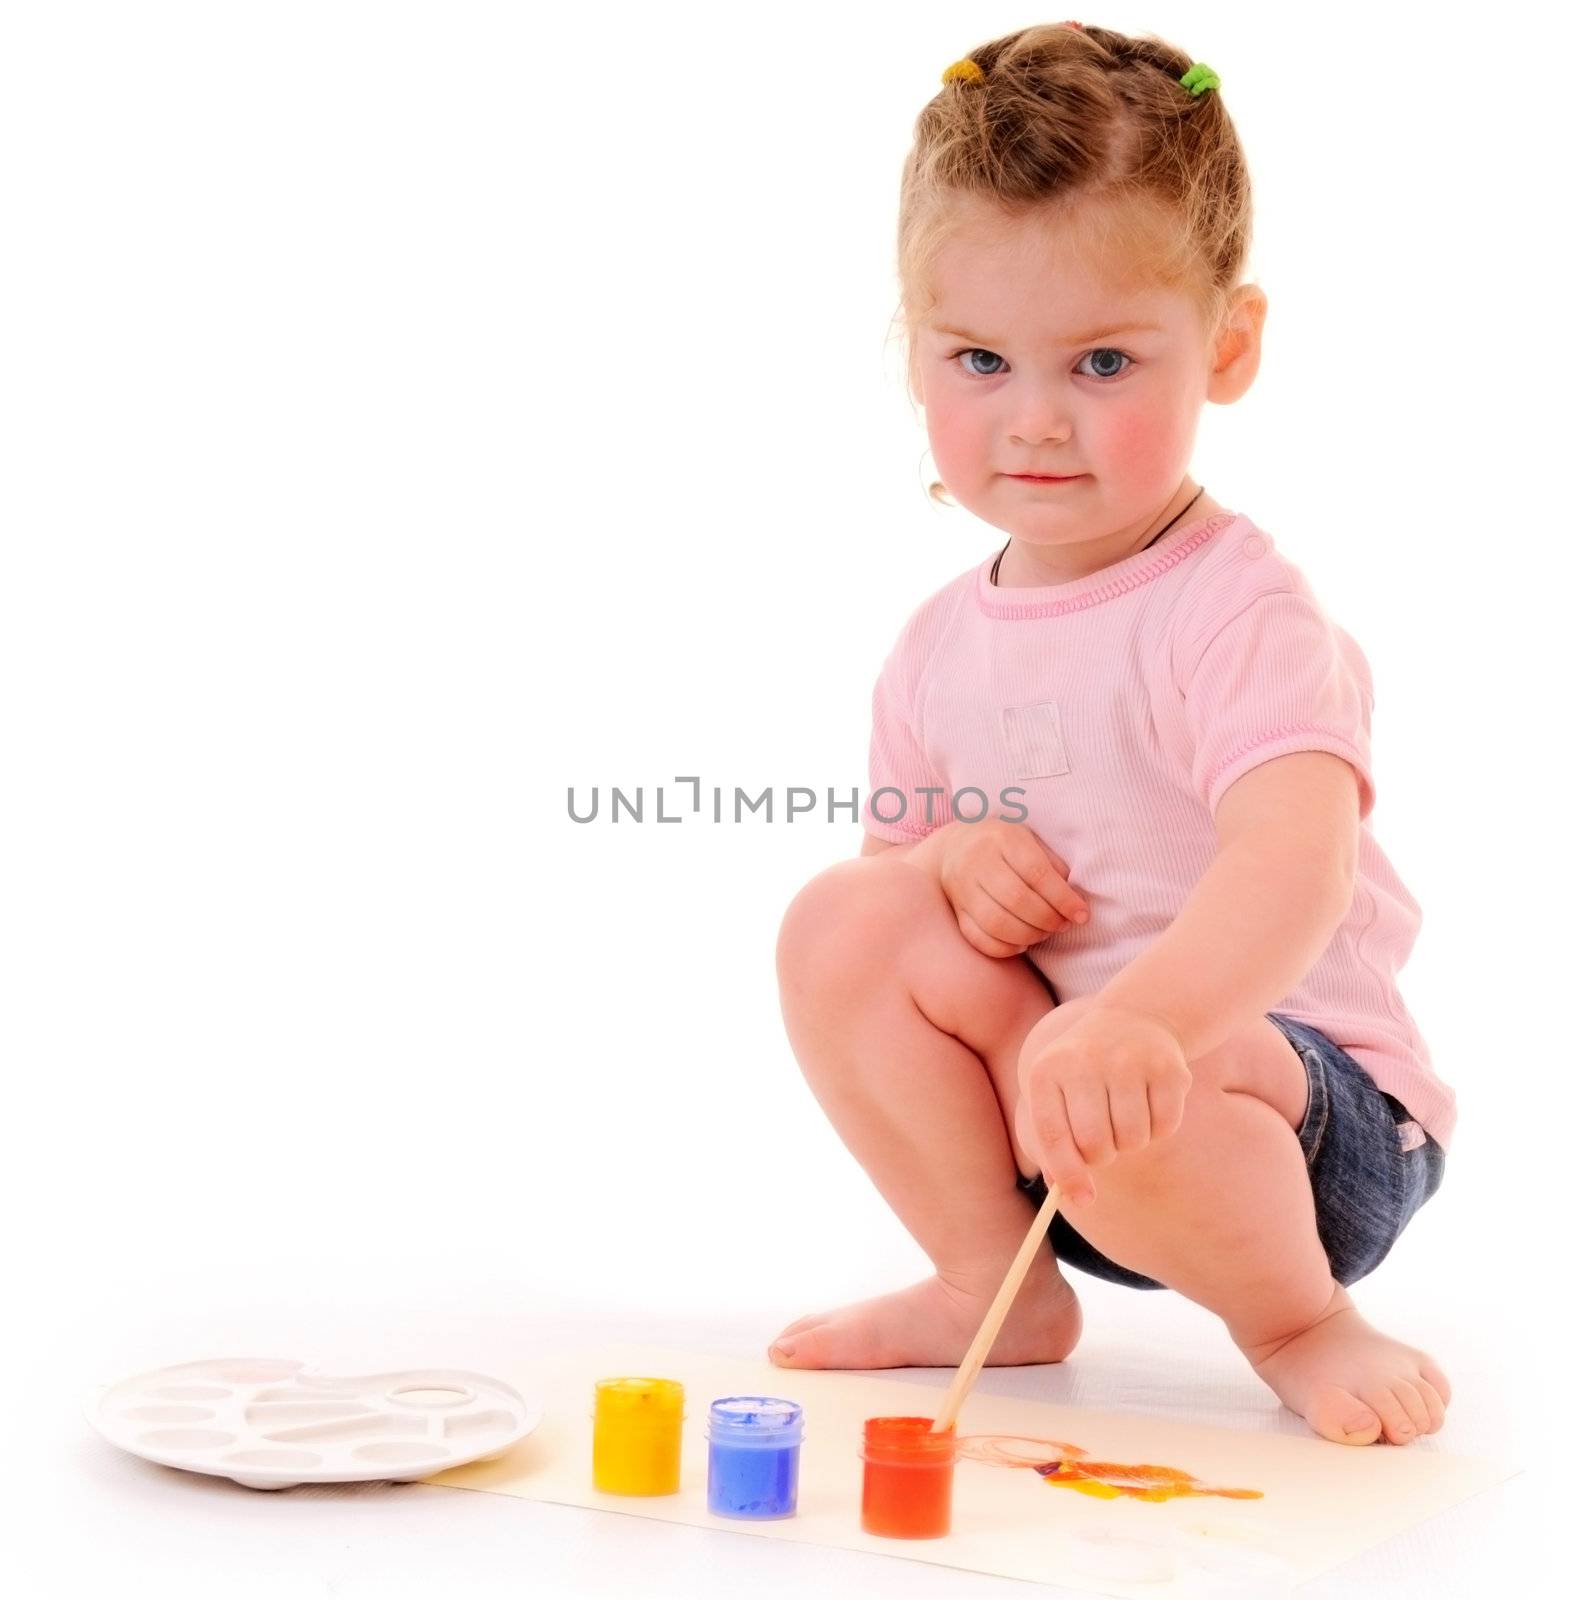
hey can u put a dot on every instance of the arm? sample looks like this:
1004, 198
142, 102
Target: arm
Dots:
925, 851
929, 847
1263, 912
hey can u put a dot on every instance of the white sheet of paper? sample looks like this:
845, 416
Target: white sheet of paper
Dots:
1321, 1504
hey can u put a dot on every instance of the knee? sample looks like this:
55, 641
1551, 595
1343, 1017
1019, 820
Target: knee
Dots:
847, 922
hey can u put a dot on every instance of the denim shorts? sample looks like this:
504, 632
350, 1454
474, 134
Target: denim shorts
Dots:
1372, 1166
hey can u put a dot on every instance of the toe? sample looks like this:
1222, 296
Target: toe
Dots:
1434, 1403
1414, 1403
1339, 1415
799, 1326
1434, 1374
784, 1351
1397, 1426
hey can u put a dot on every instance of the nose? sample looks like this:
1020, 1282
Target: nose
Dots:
1039, 416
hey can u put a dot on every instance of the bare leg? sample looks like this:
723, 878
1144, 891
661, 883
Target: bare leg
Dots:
1222, 1211
910, 1039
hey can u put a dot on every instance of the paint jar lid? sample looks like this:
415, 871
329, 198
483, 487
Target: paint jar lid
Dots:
908, 1442
638, 1399
756, 1419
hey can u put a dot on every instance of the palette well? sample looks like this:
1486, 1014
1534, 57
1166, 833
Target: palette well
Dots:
269, 1423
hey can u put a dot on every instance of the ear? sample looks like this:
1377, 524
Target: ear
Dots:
1237, 348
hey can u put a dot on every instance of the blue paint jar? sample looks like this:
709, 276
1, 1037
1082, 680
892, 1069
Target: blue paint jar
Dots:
753, 1467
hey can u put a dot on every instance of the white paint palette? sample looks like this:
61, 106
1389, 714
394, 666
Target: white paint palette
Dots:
271, 1424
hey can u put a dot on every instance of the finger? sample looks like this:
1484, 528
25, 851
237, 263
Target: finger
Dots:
1010, 890
1046, 873
981, 939
1025, 1138
1062, 1166
1091, 1128
1131, 1114
997, 919
1167, 1101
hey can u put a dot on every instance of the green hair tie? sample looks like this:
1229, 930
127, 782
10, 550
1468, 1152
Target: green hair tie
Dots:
1200, 78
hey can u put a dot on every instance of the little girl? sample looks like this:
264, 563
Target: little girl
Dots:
1120, 925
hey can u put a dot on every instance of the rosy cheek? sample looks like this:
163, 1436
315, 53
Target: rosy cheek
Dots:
954, 434
1132, 440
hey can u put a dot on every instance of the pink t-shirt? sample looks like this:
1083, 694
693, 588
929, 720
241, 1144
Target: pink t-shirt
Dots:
1124, 704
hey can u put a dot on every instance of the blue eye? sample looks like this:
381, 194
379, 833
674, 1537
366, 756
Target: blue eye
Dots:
1115, 366
1117, 355
978, 373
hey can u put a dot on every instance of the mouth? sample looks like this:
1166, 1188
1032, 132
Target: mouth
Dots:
1038, 477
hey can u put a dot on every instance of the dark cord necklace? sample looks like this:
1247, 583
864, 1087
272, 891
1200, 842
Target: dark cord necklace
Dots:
1147, 546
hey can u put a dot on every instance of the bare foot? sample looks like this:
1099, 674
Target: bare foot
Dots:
1353, 1384
932, 1323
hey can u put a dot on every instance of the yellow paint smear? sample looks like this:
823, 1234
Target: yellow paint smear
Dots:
1062, 1464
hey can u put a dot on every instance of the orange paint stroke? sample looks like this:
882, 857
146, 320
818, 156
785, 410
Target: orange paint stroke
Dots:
1060, 1463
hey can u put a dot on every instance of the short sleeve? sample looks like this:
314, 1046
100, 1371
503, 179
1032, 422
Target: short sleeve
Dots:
1277, 677
896, 806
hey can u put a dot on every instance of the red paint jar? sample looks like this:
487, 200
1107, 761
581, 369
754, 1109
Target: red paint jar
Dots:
908, 1486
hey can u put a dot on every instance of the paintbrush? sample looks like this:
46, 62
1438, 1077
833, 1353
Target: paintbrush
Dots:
992, 1322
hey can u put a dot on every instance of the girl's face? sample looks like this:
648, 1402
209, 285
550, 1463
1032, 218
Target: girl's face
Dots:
1031, 361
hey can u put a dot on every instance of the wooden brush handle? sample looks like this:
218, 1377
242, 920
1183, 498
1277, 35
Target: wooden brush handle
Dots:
992, 1322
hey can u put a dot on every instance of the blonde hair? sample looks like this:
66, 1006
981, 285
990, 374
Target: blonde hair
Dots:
1058, 118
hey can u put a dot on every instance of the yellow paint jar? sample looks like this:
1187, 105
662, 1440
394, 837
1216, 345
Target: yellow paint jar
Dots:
638, 1435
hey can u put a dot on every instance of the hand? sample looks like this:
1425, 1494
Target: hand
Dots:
1109, 1084
1007, 889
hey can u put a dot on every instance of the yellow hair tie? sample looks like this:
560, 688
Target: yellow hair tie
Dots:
966, 69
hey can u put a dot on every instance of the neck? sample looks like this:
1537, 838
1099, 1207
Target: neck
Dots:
1021, 565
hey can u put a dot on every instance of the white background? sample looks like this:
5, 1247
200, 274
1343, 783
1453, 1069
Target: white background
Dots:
412, 411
